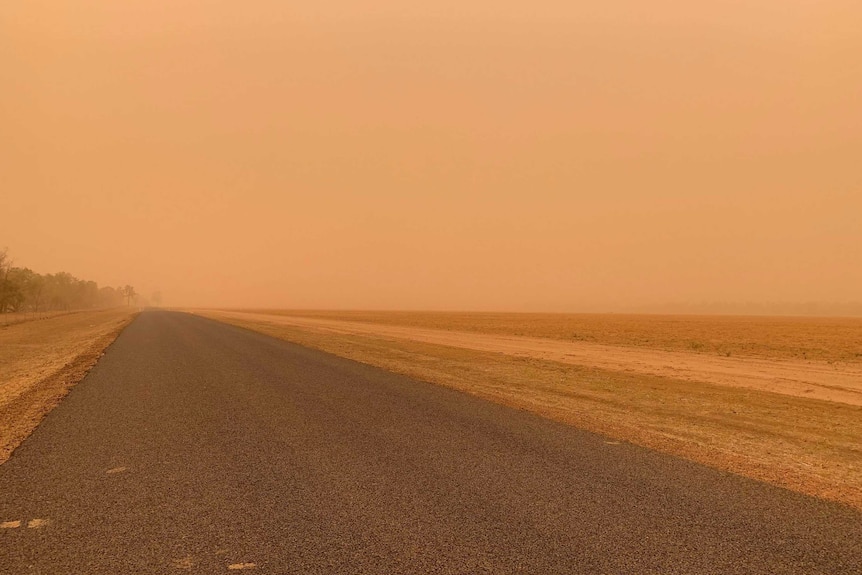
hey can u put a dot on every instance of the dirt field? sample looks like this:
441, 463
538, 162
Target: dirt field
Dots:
40, 359
749, 414
827, 339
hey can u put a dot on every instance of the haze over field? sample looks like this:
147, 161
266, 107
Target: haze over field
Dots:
550, 155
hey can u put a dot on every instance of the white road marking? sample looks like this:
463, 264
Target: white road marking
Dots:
10, 524
37, 523
612, 442
235, 566
117, 470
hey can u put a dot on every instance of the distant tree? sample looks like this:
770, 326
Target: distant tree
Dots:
23, 289
157, 298
34, 287
60, 290
110, 297
8, 290
129, 293
86, 294
11, 296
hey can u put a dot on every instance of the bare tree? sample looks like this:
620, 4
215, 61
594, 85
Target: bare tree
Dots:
129, 293
5, 286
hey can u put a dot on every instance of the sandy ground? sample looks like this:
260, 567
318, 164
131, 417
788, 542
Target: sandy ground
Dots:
40, 359
834, 339
826, 380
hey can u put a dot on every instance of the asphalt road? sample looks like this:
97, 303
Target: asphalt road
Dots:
199, 447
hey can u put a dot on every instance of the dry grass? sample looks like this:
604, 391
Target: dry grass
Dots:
41, 359
828, 339
810, 446
7, 319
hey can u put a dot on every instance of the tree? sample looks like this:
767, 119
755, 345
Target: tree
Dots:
34, 286
25, 289
60, 290
22, 289
110, 297
129, 293
8, 291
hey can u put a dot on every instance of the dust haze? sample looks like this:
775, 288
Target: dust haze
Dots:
541, 156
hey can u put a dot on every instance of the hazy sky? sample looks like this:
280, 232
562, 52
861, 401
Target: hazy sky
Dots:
457, 154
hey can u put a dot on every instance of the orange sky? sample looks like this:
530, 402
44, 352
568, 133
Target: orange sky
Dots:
471, 154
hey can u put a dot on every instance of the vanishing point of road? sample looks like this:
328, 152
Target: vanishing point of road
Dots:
199, 447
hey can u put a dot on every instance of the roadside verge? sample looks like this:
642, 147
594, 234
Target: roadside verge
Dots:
42, 359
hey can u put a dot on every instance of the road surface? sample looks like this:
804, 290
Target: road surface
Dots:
197, 447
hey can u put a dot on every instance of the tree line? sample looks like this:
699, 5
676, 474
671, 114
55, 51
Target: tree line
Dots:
22, 289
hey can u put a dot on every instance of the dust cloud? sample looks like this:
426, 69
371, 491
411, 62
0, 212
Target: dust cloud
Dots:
547, 155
